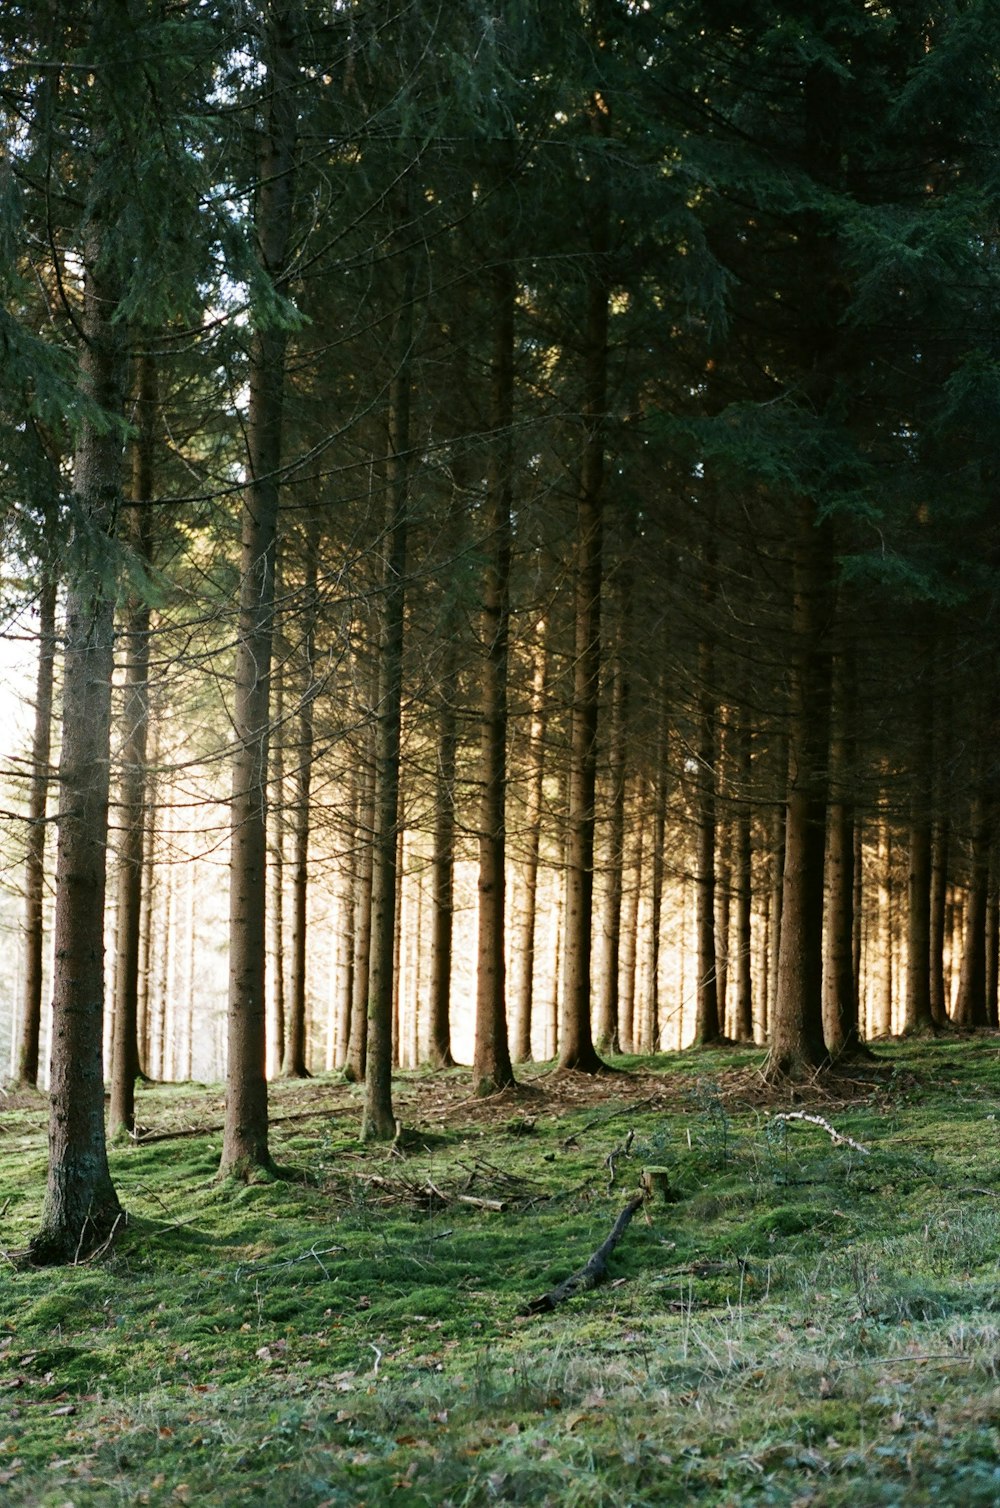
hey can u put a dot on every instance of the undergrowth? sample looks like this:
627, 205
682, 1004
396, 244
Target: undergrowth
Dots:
806, 1321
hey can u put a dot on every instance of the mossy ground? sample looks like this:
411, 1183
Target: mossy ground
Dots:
803, 1324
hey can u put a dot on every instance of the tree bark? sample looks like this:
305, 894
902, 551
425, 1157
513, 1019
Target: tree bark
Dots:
919, 1015
743, 883
378, 1120
523, 970
81, 1207
607, 1024
970, 1003
840, 1001
34, 866
797, 1044
576, 1045
491, 1069
294, 1064
245, 1144
133, 795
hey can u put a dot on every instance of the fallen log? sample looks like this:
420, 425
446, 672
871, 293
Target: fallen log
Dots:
594, 1270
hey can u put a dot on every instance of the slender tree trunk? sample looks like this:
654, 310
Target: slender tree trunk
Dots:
364, 847
607, 1019
34, 867
630, 945
919, 1015
277, 824
81, 1206
970, 1004
708, 1027
743, 881
523, 963
378, 1120
576, 1046
797, 1044
134, 781
840, 1002
443, 858
883, 1001
658, 825
491, 1069
294, 1065
245, 1145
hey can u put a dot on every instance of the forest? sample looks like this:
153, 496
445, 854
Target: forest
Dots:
499, 546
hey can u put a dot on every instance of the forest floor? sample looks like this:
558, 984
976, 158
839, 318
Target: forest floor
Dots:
808, 1321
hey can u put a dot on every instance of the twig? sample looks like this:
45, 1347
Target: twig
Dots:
312, 1254
831, 1131
613, 1156
592, 1272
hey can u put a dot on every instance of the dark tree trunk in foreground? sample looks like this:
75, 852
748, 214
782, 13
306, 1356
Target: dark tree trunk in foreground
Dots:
34, 868
134, 782
245, 1144
491, 1068
378, 1120
797, 1044
81, 1206
576, 1044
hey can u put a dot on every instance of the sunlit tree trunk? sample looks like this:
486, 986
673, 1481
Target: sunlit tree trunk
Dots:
357, 1040
630, 943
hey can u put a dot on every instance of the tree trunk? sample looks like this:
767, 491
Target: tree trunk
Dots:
607, 1023
491, 1069
743, 883
134, 794
708, 1028
364, 847
797, 1044
658, 825
576, 1045
970, 1004
294, 1065
378, 1120
630, 945
523, 970
244, 1146
840, 1002
81, 1206
34, 867
277, 824
919, 1016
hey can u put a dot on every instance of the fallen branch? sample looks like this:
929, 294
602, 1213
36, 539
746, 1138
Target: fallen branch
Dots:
593, 1272
831, 1131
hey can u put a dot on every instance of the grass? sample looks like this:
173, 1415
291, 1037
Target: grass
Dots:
804, 1324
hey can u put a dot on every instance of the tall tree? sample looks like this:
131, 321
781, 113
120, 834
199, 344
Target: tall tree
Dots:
245, 1136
